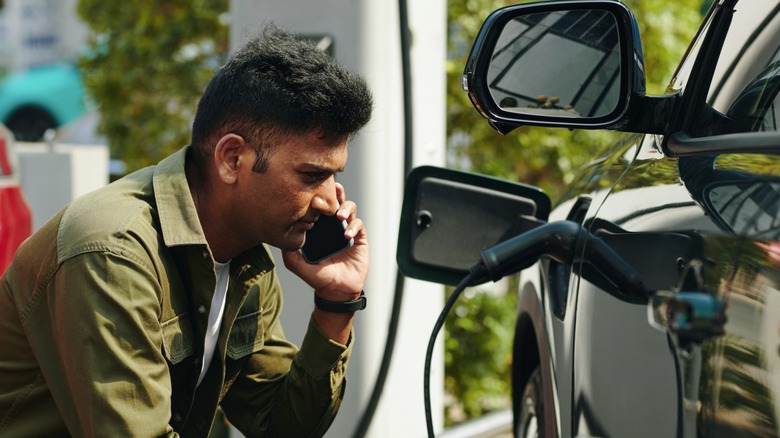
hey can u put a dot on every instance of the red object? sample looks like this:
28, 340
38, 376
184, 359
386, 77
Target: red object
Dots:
5, 160
15, 216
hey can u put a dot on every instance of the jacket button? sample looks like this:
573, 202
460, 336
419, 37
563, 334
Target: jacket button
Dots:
202, 309
177, 417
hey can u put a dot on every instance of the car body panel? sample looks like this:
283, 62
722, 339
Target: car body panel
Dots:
632, 380
614, 374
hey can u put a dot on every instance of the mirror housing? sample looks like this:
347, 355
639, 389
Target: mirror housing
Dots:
448, 217
563, 64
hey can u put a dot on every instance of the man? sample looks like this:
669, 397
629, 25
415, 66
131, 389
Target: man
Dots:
141, 308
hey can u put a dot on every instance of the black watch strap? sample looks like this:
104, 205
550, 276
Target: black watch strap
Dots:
341, 306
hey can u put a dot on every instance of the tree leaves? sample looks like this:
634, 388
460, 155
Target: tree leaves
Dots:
148, 63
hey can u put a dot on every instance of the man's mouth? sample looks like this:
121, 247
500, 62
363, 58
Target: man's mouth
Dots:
307, 223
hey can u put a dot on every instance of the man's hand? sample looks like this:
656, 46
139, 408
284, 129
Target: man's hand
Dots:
337, 278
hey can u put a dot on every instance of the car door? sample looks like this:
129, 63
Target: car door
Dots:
697, 215
736, 374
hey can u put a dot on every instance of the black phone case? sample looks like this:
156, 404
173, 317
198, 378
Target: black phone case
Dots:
325, 239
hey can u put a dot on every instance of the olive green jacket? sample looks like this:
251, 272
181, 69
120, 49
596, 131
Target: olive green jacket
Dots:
102, 320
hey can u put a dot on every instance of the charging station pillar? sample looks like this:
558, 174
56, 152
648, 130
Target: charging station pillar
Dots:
364, 36
52, 175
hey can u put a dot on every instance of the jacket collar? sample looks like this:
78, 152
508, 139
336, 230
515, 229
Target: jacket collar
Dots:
178, 217
179, 220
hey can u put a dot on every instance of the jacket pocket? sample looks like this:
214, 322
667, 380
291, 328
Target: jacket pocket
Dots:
247, 335
178, 342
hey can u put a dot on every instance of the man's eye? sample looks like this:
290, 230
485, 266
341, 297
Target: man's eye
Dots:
315, 177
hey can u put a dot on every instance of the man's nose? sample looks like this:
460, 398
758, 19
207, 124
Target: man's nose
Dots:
325, 201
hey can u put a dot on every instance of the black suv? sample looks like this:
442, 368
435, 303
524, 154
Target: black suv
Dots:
649, 302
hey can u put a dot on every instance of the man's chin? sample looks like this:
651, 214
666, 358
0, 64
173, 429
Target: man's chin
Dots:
291, 244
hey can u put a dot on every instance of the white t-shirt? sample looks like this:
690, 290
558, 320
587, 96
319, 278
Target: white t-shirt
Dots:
215, 316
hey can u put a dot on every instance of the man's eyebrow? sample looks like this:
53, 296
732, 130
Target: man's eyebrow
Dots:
319, 168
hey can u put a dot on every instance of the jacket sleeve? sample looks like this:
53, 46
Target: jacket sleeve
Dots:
284, 391
95, 332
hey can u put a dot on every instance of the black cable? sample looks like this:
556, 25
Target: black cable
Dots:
467, 280
395, 313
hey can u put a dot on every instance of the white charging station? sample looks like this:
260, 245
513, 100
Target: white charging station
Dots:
52, 175
364, 36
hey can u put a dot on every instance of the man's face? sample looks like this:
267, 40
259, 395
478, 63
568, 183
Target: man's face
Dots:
278, 206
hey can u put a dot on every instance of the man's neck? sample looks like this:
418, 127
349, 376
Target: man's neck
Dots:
210, 221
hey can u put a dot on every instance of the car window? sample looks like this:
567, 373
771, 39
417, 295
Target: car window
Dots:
745, 90
746, 196
683, 72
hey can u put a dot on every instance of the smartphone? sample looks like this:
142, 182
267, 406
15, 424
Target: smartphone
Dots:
325, 239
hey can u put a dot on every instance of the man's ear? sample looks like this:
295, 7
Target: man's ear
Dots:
227, 157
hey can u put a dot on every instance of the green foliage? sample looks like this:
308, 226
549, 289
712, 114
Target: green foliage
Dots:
148, 64
478, 354
666, 28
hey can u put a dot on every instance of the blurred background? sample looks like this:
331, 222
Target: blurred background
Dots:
112, 87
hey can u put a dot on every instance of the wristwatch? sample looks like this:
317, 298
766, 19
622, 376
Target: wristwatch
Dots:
341, 306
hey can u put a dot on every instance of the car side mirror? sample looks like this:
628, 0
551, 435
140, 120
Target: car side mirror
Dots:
448, 217
573, 64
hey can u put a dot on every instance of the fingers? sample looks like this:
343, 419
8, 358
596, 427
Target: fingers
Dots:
348, 212
340, 194
354, 229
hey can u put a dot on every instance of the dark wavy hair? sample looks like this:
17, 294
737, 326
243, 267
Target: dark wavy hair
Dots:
279, 84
